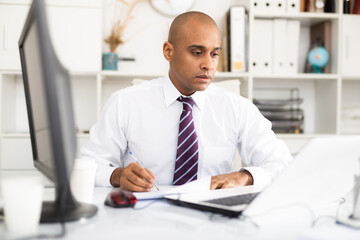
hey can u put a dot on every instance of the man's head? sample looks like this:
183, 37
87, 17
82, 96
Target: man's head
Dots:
192, 51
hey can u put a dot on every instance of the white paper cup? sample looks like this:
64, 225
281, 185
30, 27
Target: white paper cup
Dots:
22, 198
83, 180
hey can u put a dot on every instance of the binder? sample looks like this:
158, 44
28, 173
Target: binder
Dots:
267, 5
261, 49
292, 43
257, 5
236, 42
293, 6
279, 46
262, 6
278, 6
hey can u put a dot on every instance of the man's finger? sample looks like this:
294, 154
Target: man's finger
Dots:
133, 183
142, 172
132, 179
225, 185
153, 176
129, 186
139, 181
215, 183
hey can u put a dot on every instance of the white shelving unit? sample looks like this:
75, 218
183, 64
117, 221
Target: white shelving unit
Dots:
76, 30
326, 96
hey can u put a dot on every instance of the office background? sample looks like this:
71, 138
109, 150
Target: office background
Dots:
331, 101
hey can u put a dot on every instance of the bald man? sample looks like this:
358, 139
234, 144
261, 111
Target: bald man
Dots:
181, 127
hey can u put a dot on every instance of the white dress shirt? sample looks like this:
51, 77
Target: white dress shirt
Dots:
144, 119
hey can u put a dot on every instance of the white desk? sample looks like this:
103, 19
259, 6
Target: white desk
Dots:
161, 220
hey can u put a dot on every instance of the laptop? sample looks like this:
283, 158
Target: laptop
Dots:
322, 172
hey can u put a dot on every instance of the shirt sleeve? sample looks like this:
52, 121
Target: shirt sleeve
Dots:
264, 155
107, 142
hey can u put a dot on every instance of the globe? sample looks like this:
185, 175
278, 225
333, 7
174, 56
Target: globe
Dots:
318, 58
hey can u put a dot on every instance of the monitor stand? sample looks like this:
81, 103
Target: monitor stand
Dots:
51, 212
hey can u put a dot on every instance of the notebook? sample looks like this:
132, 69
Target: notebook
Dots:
322, 172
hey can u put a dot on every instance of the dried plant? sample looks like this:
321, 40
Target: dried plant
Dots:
118, 28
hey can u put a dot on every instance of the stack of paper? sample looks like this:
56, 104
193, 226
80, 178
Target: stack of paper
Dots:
285, 114
200, 185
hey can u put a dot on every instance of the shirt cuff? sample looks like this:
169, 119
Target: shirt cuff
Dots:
103, 174
260, 176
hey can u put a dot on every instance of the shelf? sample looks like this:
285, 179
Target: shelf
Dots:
301, 136
123, 75
229, 75
15, 135
16, 1
130, 75
306, 18
218, 75
299, 76
11, 72
300, 15
19, 73
84, 74
27, 135
351, 78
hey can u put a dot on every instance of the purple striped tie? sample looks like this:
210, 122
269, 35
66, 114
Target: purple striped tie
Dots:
186, 165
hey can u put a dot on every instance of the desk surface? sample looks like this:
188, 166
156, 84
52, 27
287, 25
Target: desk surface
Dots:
161, 220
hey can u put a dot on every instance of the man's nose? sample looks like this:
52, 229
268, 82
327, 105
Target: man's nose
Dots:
208, 63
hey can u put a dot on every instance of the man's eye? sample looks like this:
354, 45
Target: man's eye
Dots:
197, 53
215, 54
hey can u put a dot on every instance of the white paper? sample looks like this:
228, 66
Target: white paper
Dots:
202, 184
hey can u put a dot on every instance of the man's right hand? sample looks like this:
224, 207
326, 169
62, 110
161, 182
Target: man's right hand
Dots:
133, 178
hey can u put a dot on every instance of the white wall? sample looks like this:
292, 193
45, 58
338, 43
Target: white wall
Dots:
147, 31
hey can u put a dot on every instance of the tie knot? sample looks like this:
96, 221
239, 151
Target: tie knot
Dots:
188, 103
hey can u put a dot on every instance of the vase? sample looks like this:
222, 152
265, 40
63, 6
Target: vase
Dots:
110, 61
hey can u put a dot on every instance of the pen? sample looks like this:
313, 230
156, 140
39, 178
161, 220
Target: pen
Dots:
135, 160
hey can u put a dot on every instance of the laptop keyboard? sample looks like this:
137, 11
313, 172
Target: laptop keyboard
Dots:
234, 200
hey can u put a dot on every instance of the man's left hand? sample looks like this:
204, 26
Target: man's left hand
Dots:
230, 180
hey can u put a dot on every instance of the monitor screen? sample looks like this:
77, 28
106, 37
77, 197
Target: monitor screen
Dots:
50, 113
35, 82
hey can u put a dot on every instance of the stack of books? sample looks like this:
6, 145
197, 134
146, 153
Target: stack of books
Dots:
285, 115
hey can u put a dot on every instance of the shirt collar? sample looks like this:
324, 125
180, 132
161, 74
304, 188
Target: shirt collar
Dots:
171, 94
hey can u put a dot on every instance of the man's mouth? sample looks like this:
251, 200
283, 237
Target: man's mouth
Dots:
205, 77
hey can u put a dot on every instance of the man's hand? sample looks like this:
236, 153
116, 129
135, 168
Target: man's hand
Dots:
231, 180
132, 178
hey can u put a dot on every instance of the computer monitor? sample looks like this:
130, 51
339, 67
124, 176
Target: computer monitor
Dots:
50, 113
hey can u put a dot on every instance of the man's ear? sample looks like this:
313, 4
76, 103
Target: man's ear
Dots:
168, 51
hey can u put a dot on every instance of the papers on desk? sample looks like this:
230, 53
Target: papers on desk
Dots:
199, 185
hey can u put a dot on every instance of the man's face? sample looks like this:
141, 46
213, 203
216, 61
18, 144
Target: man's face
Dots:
195, 56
